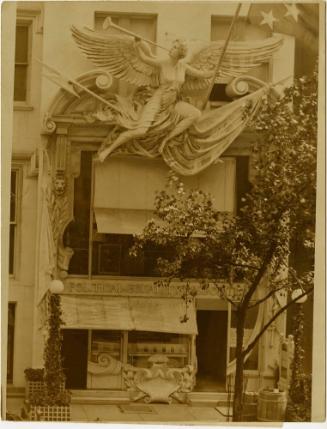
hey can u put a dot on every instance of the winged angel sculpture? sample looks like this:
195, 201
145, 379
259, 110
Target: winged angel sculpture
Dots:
161, 118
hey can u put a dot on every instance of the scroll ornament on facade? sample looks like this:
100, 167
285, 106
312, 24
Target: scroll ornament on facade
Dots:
159, 383
161, 117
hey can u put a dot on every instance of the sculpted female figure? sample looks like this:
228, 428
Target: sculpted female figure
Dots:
164, 115
172, 73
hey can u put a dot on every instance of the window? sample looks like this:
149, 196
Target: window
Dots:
106, 347
78, 232
144, 25
98, 253
110, 256
93, 359
122, 201
143, 344
10, 341
13, 219
21, 62
218, 93
242, 31
243, 185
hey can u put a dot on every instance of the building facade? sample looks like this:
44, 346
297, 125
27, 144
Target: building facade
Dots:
73, 219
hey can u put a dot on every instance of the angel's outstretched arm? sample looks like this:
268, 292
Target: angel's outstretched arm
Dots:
144, 52
192, 71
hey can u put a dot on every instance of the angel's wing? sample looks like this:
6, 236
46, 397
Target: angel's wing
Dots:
118, 55
239, 58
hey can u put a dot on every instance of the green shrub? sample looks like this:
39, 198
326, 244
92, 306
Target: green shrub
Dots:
34, 374
42, 398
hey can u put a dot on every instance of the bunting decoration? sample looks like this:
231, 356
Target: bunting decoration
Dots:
300, 20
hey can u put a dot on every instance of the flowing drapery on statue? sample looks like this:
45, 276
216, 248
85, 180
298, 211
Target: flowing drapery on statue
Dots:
159, 118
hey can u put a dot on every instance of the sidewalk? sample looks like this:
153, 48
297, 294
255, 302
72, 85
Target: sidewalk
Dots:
159, 413
139, 413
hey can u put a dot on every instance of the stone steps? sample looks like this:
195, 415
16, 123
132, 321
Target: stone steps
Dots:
99, 396
209, 398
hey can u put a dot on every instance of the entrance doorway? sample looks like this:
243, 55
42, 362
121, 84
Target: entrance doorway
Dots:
211, 350
74, 353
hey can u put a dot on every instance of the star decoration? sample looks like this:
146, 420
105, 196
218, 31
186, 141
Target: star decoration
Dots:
292, 10
268, 18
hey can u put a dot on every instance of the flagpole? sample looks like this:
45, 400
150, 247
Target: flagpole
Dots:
73, 82
93, 94
229, 35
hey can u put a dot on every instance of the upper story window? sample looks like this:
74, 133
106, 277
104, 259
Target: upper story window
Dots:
242, 31
22, 56
29, 34
145, 25
105, 254
13, 219
114, 200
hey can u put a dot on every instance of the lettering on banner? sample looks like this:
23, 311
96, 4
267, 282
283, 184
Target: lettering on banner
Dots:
146, 288
99, 288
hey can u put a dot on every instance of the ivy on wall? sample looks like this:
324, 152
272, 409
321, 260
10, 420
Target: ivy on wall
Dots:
299, 395
54, 374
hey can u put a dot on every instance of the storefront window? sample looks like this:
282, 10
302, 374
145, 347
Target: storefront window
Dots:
105, 360
105, 342
142, 345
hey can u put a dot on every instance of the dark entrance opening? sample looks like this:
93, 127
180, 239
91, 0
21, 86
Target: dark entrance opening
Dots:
211, 350
74, 353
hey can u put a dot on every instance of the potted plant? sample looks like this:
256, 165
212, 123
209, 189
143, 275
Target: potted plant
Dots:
34, 381
51, 402
45, 407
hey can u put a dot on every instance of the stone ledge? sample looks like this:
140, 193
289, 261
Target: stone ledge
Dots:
15, 392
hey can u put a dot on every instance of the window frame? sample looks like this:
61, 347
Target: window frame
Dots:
89, 275
33, 18
25, 104
18, 169
13, 304
128, 354
91, 242
226, 20
128, 15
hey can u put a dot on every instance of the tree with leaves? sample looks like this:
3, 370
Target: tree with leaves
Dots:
253, 245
